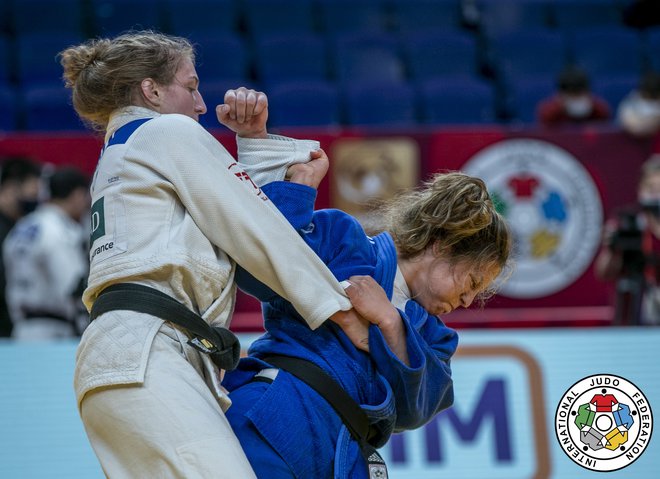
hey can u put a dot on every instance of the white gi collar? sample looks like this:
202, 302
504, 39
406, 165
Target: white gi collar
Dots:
121, 116
401, 293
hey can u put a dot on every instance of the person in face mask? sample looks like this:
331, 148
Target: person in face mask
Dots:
573, 103
19, 194
630, 254
639, 112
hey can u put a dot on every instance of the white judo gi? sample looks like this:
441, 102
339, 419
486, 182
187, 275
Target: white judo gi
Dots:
45, 266
170, 206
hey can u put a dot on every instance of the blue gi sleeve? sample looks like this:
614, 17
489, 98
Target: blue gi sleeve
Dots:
425, 387
295, 202
336, 237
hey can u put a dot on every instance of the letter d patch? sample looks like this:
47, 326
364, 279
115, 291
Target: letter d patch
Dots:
98, 220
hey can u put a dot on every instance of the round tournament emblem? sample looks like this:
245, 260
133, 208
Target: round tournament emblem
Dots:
553, 208
603, 422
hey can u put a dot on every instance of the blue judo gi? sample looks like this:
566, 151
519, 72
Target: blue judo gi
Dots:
286, 428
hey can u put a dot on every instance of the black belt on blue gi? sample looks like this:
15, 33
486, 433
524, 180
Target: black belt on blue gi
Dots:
352, 415
219, 343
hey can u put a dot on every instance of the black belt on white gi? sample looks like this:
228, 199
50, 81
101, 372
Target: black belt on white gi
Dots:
219, 343
42, 314
352, 415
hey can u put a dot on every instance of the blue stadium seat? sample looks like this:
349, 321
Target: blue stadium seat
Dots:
498, 16
50, 108
221, 56
290, 56
613, 88
651, 48
342, 16
456, 101
607, 50
528, 52
371, 103
213, 93
431, 54
421, 15
48, 16
110, 17
6, 27
367, 56
575, 14
305, 103
524, 94
271, 16
8, 107
185, 17
37, 60
7, 68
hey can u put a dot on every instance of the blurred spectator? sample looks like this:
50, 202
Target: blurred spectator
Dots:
630, 254
574, 102
639, 111
470, 16
46, 262
19, 195
642, 13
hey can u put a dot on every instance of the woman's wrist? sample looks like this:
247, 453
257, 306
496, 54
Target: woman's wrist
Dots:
395, 336
255, 135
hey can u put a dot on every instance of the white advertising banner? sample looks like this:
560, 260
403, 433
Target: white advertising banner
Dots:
509, 385
530, 404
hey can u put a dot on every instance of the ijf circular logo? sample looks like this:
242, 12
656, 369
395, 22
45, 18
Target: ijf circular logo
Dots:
603, 422
552, 206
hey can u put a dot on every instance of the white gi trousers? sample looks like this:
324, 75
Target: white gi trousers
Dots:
171, 426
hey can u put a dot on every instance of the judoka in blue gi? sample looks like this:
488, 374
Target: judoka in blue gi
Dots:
445, 247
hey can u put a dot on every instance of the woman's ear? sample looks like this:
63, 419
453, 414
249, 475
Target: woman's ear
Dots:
151, 92
438, 249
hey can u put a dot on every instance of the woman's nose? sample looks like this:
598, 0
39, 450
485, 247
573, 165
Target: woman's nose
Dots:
200, 106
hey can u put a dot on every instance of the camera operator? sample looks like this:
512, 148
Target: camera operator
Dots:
631, 252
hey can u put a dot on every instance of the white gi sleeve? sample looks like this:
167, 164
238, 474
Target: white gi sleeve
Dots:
238, 218
267, 159
65, 265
